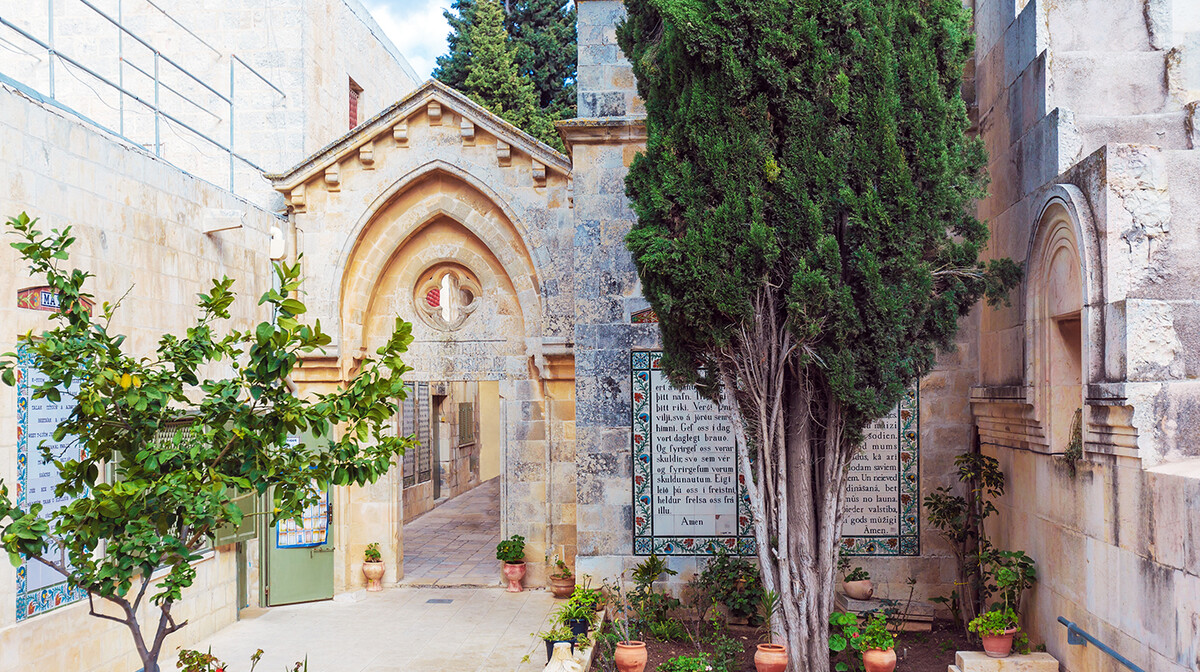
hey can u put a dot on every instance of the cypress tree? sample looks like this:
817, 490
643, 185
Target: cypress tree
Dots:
542, 35
493, 80
806, 236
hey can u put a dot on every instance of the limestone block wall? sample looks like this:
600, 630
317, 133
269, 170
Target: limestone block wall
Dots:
308, 49
137, 222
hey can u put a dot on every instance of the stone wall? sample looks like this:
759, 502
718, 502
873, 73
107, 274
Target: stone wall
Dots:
1087, 112
137, 222
308, 50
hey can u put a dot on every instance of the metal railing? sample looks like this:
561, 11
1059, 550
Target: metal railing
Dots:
155, 106
1077, 637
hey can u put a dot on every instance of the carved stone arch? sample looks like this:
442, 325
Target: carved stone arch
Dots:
379, 239
1061, 288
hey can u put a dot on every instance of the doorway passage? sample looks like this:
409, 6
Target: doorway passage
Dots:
455, 543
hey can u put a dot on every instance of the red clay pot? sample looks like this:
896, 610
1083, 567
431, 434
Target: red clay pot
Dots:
879, 660
771, 658
999, 646
514, 572
631, 656
373, 573
858, 590
562, 587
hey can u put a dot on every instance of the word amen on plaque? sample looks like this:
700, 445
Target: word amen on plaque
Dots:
689, 496
883, 505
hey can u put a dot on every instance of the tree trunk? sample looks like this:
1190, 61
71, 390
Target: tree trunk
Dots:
793, 429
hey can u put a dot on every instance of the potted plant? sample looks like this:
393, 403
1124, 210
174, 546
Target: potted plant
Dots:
585, 594
857, 584
997, 629
576, 616
562, 581
373, 567
560, 634
629, 654
770, 657
511, 552
873, 640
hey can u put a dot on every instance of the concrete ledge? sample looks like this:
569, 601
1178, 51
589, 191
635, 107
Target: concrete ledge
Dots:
978, 661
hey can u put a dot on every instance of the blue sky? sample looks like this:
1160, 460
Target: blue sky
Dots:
416, 27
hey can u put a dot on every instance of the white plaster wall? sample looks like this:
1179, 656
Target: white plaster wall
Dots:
137, 221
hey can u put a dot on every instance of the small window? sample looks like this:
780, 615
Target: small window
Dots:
355, 95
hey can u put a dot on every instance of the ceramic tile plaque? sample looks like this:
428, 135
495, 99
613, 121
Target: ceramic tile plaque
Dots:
883, 507
688, 494
39, 588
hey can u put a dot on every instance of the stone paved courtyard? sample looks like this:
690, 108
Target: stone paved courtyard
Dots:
397, 630
455, 543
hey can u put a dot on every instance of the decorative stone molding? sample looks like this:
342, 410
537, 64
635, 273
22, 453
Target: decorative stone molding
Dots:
333, 177
434, 109
466, 128
366, 156
539, 173
400, 133
503, 153
447, 297
296, 198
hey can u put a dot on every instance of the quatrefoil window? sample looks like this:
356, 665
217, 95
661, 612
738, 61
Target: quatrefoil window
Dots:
446, 296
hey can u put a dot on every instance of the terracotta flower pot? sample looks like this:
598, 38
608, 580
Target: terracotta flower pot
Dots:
879, 660
373, 572
858, 590
771, 658
513, 573
999, 646
562, 587
631, 656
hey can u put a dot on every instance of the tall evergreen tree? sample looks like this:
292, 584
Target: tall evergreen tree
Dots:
493, 80
542, 33
806, 236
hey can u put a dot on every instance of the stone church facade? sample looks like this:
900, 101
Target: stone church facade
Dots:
508, 258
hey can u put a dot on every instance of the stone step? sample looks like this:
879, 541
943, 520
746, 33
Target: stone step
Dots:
978, 661
920, 614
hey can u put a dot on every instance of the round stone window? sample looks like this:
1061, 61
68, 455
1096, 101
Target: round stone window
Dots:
446, 296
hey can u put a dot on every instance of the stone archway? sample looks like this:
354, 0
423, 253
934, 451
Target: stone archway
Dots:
434, 186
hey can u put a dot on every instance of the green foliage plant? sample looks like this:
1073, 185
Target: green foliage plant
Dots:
562, 571
806, 234
560, 633
587, 596
768, 606
959, 520
857, 574
136, 536
1009, 574
511, 550
372, 554
725, 650
699, 663
668, 630
847, 634
574, 611
993, 623
646, 572
734, 582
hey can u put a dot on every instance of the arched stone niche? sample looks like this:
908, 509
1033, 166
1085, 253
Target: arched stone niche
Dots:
1058, 324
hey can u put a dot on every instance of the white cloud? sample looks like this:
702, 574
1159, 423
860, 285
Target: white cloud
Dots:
416, 27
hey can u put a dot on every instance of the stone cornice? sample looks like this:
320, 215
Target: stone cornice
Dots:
602, 130
432, 91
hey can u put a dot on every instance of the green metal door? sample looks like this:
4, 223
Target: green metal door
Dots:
299, 565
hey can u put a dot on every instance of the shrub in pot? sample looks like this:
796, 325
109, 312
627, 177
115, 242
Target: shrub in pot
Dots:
511, 552
871, 639
560, 634
373, 567
629, 654
562, 581
770, 657
997, 629
857, 584
576, 616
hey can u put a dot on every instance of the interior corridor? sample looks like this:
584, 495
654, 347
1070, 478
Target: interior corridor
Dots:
455, 543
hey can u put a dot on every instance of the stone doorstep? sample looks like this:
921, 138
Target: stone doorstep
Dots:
920, 614
978, 661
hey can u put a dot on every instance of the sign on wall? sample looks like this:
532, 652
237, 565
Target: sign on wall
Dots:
689, 496
883, 495
40, 588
